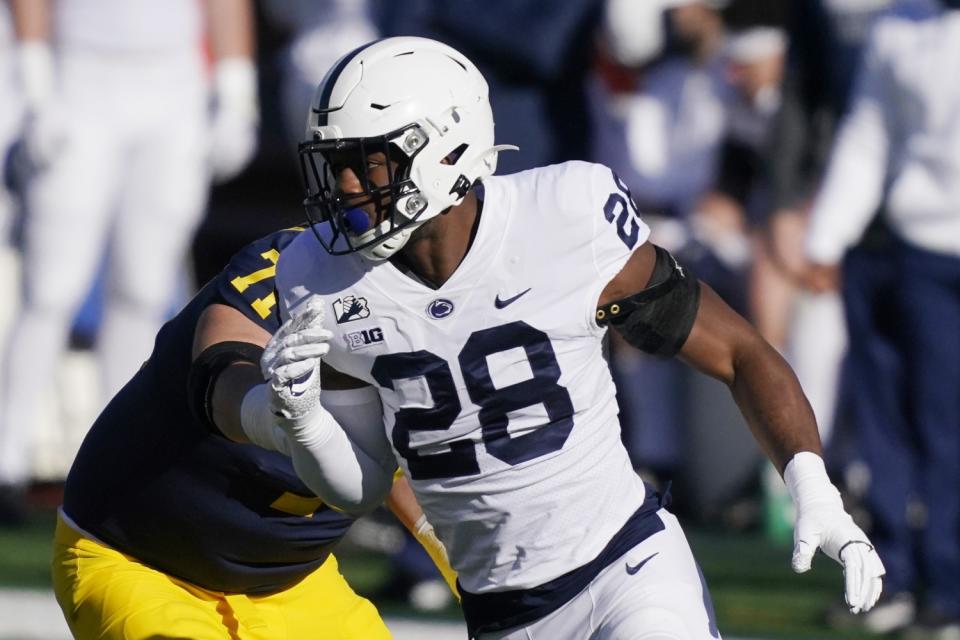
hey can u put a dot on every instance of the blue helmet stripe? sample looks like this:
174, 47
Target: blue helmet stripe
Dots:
323, 104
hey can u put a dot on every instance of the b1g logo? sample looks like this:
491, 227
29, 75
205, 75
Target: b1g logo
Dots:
363, 338
350, 308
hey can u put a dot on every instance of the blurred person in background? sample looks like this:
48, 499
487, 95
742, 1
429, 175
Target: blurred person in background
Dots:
806, 327
659, 113
899, 146
10, 118
124, 142
674, 120
535, 61
322, 31
753, 62
724, 224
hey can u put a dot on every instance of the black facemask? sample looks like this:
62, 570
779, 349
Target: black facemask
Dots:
320, 162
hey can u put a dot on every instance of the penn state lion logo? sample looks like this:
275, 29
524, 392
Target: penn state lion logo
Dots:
440, 308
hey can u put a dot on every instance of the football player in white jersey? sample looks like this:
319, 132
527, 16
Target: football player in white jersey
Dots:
119, 127
476, 307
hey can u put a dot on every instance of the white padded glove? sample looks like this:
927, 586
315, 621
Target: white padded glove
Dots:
286, 415
236, 117
288, 406
291, 362
822, 523
328, 461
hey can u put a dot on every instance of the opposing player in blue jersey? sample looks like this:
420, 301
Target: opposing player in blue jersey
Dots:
170, 529
475, 308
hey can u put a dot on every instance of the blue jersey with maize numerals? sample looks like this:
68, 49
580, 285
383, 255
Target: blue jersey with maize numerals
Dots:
154, 482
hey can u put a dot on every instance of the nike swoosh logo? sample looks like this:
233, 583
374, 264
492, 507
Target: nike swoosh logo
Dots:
500, 304
632, 570
298, 386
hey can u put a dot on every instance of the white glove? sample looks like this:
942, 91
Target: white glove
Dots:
822, 523
291, 362
235, 117
288, 406
333, 466
43, 131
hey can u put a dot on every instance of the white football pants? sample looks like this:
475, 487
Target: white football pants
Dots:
11, 116
129, 182
653, 592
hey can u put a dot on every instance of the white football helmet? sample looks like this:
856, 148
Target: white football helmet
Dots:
424, 106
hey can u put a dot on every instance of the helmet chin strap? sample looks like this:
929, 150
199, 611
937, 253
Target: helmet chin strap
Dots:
384, 250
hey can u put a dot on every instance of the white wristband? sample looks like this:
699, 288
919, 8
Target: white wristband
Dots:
422, 525
807, 481
235, 86
35, 67
259, 423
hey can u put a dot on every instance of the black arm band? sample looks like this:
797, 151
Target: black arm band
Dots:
659, 318
205, 370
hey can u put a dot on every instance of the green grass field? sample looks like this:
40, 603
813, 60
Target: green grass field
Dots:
755, 592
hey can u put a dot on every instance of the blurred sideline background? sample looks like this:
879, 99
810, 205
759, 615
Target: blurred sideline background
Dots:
718, 114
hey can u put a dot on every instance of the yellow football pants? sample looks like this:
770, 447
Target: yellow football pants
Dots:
107, 595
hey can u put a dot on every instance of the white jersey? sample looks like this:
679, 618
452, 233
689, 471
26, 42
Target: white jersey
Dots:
496, 392
900, 142
128, 25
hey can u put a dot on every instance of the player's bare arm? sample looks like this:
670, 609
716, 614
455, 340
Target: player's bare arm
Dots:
724, 345
661, 309
405, 507
221, 324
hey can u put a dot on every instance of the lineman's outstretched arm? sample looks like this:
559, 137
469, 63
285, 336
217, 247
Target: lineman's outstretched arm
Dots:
351, 472
404, 505
678, 314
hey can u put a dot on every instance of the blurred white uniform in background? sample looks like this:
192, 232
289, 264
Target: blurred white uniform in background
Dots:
119, 129
10, 112
899, 146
